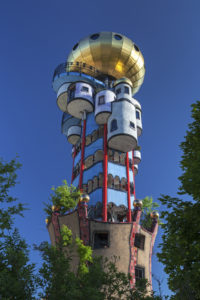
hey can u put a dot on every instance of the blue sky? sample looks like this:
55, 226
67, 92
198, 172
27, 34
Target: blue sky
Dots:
38, 35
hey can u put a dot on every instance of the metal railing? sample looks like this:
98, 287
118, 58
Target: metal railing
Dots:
78, 67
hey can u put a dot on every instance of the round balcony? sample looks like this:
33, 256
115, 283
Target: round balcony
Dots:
80, 99
67, 122
137, 157
74, 134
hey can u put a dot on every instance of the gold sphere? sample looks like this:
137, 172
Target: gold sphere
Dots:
110, 53
46, 220
84, 198
154, 215
55, 208
137, 203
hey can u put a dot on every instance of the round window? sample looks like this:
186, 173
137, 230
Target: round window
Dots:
136, 48
75, 46
94, 36
118, 37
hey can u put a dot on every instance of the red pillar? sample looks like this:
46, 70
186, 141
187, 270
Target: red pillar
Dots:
128, 188
105, 175
133, 174
74, 154
82, 155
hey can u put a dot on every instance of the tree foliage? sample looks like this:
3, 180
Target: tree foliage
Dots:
17, 279
148, 206
63, 197
180, 247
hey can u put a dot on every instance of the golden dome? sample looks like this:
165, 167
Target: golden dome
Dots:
111, 54
84, 198
137, 203
154, 215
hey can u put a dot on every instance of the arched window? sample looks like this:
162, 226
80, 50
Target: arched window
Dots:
113, 125
137, 115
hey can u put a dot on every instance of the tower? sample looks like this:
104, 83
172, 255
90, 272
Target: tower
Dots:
102, 120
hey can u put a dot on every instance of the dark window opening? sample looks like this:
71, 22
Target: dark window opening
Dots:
139, 241
132, 125
101, 240
139, 273
101, 100
94, 36
118, 37
126, 90
137, 115
75, 46
113, 125
72, 92
118, 91
136, 48
85, 89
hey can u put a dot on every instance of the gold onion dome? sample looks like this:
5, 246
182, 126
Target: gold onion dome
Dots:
137, 203
84, 198
110, 53
154, 215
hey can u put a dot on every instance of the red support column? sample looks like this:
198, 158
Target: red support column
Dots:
133, 174
105, 175
74, 154
128, 188
82, 154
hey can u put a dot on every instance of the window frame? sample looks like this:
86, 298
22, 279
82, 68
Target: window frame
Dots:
118, 91
132, 125
139, 269
108, 239
126, 88
137, 114
140, 244
85, 89
112, 126
100, 98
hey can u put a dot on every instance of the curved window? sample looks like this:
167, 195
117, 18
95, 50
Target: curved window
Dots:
126, 90
94, 36
118, 91
72, 92
85, 89
113, 125
132, 125
118, 37
137, 115
136, 48
101, 100
75, 46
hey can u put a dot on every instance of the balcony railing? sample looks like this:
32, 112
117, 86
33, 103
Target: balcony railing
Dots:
78, 67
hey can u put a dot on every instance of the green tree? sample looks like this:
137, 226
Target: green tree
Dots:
180, 247
17, 280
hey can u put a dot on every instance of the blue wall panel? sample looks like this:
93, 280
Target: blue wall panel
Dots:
93, 171
95, 197
76, 181
77, 158
91, 124
117, 197
115, 169
92, 148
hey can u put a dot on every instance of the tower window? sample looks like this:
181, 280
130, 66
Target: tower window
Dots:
113, 125
137, 115
132, 125
101, 100
118, 37
100, 240
118, 91
139, 241
75, 46
126, 90
139, 273
136, 48
85, 89
94, 36
72, 92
